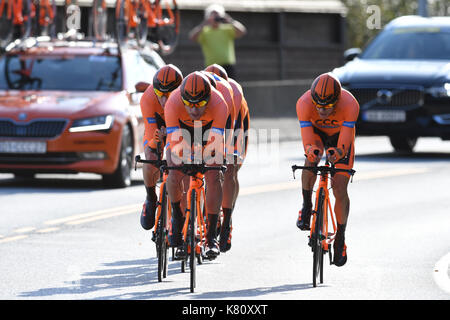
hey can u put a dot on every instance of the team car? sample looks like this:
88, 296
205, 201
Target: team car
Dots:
71, 106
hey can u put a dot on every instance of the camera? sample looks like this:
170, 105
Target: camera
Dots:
219, 19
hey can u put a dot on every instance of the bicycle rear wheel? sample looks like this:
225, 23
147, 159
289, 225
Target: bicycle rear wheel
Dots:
6, 25
168, 27
317, 240
161, 242
99, 19
191, 239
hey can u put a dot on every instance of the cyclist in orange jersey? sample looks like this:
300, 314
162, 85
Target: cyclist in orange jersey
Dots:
153, 101
327, 115
195, 107
238, 152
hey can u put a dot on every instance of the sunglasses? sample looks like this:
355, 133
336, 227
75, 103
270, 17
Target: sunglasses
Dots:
326, 106
160, 93
196, 105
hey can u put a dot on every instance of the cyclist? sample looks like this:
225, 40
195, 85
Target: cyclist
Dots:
196, 105
153, 102
238, 147
327, 115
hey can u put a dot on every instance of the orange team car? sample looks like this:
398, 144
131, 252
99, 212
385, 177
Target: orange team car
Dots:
72, 106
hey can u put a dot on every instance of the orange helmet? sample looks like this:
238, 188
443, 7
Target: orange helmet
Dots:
195, 89
167, 79
218, 70
325, 90
210, 77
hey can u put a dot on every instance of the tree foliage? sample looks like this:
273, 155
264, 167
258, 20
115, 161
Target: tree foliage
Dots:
365, 18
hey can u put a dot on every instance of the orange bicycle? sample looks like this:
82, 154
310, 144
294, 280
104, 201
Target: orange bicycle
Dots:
194, 228
162, 219
15, 20
43, 13
320, 238
145, 20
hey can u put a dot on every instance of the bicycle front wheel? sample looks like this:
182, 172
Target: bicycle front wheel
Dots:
161, 242
191, 232
121, 27
317, 240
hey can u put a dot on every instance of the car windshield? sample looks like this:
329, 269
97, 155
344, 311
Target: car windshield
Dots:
65, 73
410, 43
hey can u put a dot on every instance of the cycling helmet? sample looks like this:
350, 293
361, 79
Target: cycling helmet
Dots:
195, 90
210, 77
167, 79
325, 90
218, 70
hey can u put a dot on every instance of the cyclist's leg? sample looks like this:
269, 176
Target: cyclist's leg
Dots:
230, 190
151, 175
339, 183
214, 182
308, 181
174, 185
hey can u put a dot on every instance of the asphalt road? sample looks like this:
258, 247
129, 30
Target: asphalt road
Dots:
65, 237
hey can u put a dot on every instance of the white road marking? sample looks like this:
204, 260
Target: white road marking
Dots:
441, 273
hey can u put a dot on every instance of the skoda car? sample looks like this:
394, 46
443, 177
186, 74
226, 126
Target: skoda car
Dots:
402, 81
72, 106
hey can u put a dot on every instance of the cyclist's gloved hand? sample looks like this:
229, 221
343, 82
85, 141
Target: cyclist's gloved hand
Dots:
158, 136
334, 154
313, 154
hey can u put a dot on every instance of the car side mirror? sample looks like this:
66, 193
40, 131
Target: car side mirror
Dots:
141, 86
351, 54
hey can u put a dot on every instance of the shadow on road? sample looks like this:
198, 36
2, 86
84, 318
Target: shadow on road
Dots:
116, 275
126, 275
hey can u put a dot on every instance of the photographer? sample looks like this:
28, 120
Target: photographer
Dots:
216, 35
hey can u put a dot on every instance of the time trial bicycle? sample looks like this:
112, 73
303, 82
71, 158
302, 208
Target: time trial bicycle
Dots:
322, 233
194, 228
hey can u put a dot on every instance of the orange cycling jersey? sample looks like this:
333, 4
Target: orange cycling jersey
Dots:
213, 121
227, 92
337, 130
152, 113
242, 118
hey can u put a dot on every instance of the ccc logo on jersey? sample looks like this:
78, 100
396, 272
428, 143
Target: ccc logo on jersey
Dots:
326, 123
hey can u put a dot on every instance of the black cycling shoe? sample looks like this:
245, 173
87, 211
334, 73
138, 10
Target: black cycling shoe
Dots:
225, 238
304, 219
148, 215
175, 236
340, 254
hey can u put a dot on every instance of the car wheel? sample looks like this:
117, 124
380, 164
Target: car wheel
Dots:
403, 144
121, 177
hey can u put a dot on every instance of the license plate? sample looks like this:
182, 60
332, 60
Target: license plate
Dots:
385, 116
23, 147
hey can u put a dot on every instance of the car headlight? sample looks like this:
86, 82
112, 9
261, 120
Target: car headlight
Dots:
442, 91
92, 124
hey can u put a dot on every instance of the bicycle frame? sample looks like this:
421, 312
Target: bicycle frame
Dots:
158, 212
196, 183
327, 212
321, 239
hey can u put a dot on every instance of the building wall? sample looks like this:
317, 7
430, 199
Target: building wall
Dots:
279, 46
